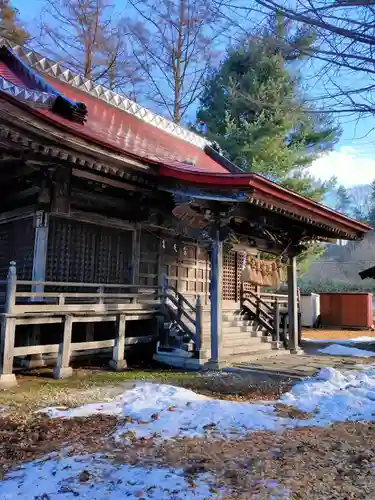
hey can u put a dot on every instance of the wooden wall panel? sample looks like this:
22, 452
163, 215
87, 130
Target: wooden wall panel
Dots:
188, 269
84, 252
149, 258
170, 261
17, 243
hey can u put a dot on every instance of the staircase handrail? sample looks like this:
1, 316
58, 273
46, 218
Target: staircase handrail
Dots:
183, 298
177, 298
257, 298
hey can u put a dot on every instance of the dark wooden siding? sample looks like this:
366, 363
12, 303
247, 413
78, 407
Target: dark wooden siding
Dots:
149, 258
17, 243
84, 252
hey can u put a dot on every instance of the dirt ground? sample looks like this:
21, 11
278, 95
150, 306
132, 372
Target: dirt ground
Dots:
326, 334
322, 464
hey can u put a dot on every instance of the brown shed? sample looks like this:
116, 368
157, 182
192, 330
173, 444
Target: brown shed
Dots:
349, 310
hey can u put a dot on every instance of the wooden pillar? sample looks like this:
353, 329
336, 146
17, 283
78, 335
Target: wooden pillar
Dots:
216, 302
293, 305
61, 186
198, 323
136, 254
40, 249
62, 369
38, 274
34, 360
118, 362
89, 330
8, 329
160, 263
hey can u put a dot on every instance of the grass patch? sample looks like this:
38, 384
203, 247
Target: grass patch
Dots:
85, 386
39, 390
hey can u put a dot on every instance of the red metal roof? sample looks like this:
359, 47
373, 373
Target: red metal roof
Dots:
120, 131
6, 73
270, 192
126, 134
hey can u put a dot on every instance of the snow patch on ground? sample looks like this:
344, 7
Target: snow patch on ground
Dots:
164, 411
142, 399
96, 478
342, 350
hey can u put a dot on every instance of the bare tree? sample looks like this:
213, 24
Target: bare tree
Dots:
345, 41
90, 38
10, 26
176, 42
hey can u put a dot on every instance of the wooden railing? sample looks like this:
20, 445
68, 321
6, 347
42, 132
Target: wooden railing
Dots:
26, 297
270, 310
264, 313
183, 311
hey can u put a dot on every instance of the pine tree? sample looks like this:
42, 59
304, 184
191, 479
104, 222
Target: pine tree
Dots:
10, 26
254, 107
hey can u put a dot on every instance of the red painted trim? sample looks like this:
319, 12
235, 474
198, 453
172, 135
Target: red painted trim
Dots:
205, 177
261, 184
227, 180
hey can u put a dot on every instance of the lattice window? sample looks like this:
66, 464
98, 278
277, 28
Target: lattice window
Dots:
230, 276
89, 253
114, 256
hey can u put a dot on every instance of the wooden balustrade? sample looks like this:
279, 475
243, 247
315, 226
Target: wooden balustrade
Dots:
181, 309
71, 302
270, 311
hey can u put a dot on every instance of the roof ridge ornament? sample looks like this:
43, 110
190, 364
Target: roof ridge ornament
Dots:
36, 90
56, 70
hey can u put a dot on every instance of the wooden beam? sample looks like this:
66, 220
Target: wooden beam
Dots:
38, 320
118, 362
62, 369
31, 350
61, 187
11, 199
79, 346
8, 329
13, 170
100, 179
16, 214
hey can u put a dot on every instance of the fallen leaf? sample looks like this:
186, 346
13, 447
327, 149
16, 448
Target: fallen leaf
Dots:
84, 476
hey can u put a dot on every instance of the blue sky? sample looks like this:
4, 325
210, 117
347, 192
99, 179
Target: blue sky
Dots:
353, 160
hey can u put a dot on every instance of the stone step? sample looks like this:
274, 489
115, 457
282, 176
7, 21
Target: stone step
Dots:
227, 330
245, 349
228, 316
250, 342
239, 359
236, 334
230, 322
245, 333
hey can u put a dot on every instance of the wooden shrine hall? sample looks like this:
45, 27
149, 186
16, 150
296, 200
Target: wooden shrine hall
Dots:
119, 228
